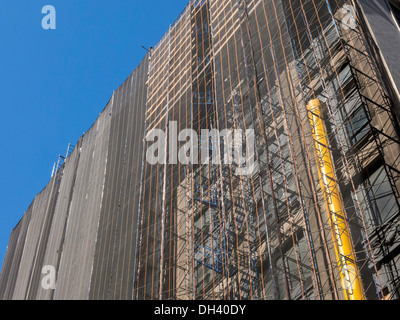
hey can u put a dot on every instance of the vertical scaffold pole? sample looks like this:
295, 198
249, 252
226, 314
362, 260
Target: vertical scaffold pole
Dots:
340, 232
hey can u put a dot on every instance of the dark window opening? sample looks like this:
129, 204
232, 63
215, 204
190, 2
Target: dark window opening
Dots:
395, 6
354, 117
357, 126
376, 197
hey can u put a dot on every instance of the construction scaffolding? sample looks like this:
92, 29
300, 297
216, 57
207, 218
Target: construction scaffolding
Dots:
61, 159
205, 232
253, 154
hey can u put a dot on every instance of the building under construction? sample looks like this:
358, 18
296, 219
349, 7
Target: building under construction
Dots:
317, 217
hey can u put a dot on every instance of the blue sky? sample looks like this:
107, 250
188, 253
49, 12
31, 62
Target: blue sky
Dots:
54, 83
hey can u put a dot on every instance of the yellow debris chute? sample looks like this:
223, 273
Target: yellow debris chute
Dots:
340, 232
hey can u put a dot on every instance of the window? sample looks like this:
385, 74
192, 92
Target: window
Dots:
202, 28
376, 197
357, 126
345, 77
201, 59
354, 118
203, 97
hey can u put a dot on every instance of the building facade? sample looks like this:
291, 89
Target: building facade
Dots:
303, 91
